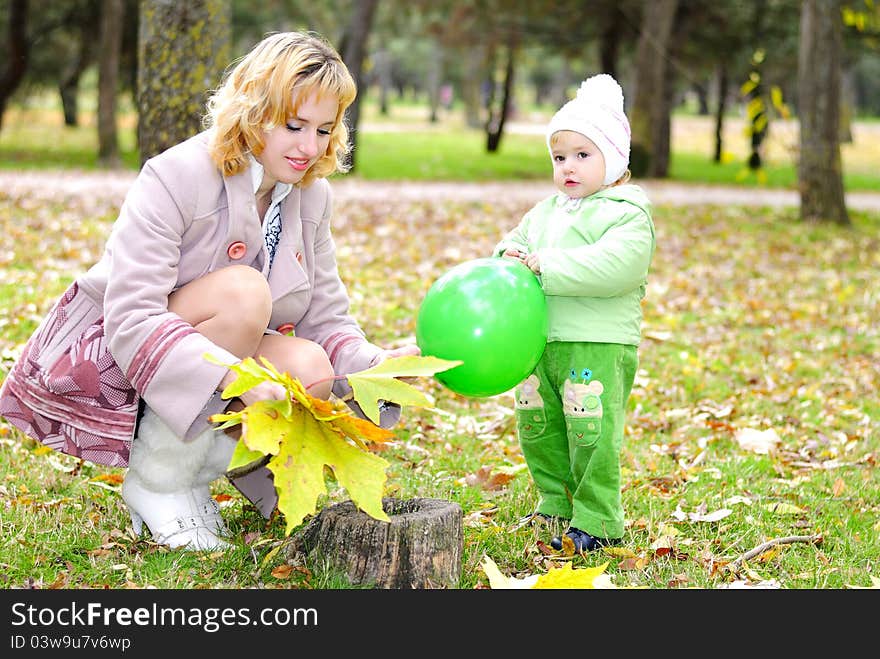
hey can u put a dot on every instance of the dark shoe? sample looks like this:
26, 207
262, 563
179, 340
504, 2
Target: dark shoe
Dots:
583, 541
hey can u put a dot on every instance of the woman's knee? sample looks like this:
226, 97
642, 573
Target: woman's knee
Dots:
246, 294
236, 292
305, 360
320, 371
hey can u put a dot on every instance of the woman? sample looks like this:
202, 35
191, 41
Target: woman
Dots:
223, 248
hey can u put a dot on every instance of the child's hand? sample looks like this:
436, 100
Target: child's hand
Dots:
512, 253
532, 261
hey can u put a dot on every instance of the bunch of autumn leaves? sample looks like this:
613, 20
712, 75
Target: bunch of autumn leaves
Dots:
303, 435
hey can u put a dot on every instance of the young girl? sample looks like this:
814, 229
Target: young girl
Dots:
222, 246
591, 246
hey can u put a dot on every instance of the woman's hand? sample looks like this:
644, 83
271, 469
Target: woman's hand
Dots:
402, 351
263, 391
412, 350
513, 253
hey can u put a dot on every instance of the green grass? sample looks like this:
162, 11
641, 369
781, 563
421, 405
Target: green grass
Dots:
405, 147
696, 168
752, 321
450, 156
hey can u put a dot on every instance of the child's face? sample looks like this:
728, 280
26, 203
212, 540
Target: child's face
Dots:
578, 164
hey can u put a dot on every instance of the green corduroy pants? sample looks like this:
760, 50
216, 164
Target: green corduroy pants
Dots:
570, 421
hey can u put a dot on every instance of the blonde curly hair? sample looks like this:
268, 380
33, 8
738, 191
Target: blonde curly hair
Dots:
264, 88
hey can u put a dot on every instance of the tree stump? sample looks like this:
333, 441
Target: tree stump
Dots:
419, 548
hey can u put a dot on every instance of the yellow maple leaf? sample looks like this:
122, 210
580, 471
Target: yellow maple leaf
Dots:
380, 382
568, 577
556, 578
298, 469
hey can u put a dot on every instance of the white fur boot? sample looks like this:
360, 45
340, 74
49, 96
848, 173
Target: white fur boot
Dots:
216, 460
160, 487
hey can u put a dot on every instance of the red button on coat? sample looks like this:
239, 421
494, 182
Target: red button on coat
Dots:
285, 328
236, 250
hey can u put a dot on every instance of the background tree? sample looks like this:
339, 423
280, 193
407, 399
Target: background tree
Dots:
183, 50
112, 12
17, 49
649, 108
820, 169
76, 35
353, 50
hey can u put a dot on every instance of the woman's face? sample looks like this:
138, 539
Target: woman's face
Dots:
292, 148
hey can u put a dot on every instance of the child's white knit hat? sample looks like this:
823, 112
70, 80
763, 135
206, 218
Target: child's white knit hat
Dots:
597, 113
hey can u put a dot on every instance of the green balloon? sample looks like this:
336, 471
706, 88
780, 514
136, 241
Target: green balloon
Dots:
491, 314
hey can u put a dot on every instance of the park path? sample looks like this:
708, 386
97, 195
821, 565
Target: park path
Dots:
112, 185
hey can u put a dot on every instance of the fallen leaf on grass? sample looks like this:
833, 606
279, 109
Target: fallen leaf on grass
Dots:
678, 580
741, 583
544, 548
875, 584
112, 479
60, 581
663, 542
715, 516
282, 571
784, 509
569, 577
635, 563
757, 441
498, 581
699, 516
556, 578
490, 479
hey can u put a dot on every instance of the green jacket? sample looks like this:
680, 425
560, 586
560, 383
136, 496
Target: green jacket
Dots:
594, 253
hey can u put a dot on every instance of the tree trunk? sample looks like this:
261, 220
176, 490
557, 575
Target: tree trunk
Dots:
434, 79
497, 116
75, 63
701, 89
820, 170
609, 41
382, 63
16, 52
723, 83
647, 112
112, 13
470, 85
68, 84
420, 547
353, 53
183, 49
663, 127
